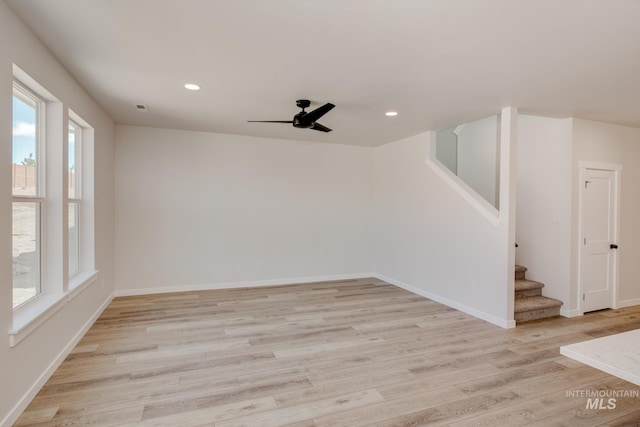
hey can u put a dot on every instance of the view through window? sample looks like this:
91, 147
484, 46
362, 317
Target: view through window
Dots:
28, 201
74, 195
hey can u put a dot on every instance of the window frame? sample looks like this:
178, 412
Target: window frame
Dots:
86, 236
77, 198
28, 96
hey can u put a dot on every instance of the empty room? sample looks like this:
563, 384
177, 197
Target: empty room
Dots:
320, 213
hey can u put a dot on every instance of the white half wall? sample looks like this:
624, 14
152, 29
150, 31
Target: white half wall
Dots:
596, 142
203, 210
543, 225
25, 367
431, 240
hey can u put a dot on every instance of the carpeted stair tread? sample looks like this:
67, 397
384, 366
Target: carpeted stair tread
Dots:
526, 284
535, 303
520, 271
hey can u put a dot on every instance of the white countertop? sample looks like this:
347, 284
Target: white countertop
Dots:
617, 355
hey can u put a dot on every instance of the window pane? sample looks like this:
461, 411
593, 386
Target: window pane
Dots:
26, 251
25, 147
74, 239
74, 158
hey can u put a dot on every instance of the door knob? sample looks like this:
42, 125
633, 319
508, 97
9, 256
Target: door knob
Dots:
613, 246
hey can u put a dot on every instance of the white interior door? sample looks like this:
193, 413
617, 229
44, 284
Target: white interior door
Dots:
598, 257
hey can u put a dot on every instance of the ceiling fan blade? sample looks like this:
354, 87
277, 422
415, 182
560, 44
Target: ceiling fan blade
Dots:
321, 128
314, 115
270, 121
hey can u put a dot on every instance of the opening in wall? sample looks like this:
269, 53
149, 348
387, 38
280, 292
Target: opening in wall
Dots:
471, 152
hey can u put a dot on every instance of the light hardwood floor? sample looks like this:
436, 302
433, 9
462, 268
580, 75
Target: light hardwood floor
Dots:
346, 353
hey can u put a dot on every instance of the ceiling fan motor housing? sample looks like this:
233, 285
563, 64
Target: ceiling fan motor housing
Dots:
299, 123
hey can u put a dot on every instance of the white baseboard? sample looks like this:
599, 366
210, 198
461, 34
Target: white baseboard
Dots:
22, 404
235, 285
628, 302
506, 324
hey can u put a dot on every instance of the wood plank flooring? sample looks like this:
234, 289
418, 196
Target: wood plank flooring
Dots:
345, 353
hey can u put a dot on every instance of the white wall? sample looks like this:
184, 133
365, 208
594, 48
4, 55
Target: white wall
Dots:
477, 156
605, 143
431, 240
25, 367
199, 210
543, 226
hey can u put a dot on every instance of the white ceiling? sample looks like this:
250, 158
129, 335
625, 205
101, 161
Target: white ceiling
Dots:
437, 62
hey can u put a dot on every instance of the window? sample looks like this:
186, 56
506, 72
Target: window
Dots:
74, 180
79, 203
28, 194
53, 212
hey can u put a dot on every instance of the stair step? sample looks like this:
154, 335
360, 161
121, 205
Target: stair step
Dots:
525, 284
534, 308
533, 303
527, 288
520, 272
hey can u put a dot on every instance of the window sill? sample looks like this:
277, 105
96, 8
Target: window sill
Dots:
29, 318
79, 282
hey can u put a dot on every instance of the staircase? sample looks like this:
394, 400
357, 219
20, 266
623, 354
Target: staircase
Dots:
529, 302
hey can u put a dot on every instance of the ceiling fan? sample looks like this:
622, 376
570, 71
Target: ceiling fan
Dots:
303, 119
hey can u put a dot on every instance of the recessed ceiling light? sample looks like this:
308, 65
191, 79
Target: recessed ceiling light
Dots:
191, 86
391, 113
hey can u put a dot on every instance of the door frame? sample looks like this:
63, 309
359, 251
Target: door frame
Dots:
617, 172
